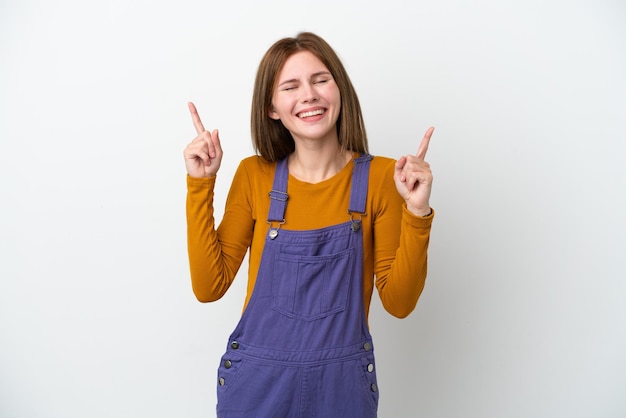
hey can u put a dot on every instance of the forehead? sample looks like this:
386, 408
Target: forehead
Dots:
302, 64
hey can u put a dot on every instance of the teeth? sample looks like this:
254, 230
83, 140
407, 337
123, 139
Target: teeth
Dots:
311, 113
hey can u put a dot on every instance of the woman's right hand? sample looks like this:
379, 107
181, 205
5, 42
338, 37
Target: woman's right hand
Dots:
203, 155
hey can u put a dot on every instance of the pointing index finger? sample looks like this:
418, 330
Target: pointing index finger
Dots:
421, 152
197, 123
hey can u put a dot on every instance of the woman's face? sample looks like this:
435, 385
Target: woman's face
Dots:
306, 99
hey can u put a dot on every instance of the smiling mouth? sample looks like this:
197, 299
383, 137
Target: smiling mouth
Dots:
311, 113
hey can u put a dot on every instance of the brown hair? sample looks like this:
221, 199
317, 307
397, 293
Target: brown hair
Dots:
270, 138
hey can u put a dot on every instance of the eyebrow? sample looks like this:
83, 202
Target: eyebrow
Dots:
295, 80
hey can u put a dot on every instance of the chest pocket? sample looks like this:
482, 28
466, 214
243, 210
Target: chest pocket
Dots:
312, 287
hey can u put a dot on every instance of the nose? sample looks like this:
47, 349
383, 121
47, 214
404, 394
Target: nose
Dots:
309, 94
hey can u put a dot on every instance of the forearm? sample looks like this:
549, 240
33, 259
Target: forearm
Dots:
400, 284
209, 277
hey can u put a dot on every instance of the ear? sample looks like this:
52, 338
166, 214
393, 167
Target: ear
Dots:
272, 113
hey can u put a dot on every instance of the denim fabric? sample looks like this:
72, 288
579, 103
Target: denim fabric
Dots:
302, 348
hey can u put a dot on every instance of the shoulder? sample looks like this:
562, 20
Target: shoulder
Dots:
382, 188
256, 161
252, 179
380, 165
256, 165
381, 171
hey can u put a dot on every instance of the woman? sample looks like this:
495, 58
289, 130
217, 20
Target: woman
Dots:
321, 218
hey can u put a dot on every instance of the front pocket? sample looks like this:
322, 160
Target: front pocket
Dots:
312, 287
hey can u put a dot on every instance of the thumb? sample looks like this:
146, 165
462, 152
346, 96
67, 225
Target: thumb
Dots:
398, 168
217, 146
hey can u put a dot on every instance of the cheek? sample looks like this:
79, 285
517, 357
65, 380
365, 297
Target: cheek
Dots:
338, 104
282, 104
336, 97
277, 108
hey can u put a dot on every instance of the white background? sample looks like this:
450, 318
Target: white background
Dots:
524, 311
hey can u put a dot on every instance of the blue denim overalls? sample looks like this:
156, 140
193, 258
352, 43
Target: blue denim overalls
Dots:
302, 347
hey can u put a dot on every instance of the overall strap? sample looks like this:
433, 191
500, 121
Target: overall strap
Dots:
278, 195
360, 176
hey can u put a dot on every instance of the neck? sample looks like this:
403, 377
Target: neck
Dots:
316, 165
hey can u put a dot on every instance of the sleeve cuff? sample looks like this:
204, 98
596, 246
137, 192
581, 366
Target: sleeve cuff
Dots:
417, 221
200, 182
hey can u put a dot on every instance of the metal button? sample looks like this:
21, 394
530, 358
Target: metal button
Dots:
355, 226
222, 381
228, 364
367, 346
234, 345
370, 367
374, 387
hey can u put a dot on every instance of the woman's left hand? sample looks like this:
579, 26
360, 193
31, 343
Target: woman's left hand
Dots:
414, 179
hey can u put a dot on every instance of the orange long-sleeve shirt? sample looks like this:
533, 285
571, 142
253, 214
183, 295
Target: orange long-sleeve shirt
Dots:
395, 241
